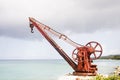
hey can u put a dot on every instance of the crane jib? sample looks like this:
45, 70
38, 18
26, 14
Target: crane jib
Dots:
54, 44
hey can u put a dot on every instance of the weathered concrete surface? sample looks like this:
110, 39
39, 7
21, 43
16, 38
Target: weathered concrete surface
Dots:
72, 77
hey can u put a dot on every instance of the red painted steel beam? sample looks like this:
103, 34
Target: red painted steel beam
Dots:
53, 43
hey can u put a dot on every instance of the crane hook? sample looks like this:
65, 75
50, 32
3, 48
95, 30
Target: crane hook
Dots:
31, 26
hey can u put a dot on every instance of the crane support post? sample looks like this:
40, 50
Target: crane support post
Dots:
40, 28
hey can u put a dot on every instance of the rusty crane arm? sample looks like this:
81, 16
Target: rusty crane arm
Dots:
61, 36
41, 28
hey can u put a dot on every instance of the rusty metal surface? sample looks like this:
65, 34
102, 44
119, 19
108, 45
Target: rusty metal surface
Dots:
82, 55
82, 60
54, 44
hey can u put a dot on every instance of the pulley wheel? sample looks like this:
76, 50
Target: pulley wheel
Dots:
97, 49
74, 55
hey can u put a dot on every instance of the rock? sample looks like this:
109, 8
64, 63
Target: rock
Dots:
117, 71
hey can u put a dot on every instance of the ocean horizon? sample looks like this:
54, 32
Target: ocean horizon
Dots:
45, 69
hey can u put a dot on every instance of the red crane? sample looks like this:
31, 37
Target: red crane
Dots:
83, 55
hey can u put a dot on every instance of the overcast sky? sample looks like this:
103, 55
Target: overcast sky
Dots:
81, 20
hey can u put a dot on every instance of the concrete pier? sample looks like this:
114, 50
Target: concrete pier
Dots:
72, 77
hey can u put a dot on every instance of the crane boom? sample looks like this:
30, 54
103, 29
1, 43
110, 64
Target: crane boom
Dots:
41, 28
61, 36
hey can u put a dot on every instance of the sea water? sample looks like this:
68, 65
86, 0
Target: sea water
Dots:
46, 69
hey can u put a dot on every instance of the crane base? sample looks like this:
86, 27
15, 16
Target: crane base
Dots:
84, 74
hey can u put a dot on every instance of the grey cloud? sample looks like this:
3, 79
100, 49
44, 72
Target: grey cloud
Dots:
19, 31
79, 16
94, 16
16, 32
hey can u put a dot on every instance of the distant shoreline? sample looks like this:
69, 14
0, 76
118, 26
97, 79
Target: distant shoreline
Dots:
115, 57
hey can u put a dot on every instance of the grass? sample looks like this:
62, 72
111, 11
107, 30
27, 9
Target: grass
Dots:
112, 77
